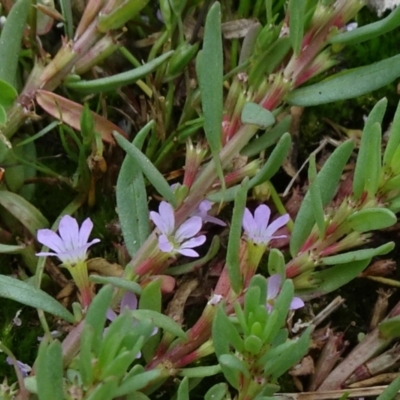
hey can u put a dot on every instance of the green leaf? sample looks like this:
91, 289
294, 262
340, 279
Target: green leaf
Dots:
348, 84
160, 320
118, 80
131, 194
200, 372
120, 283
3, 116
137, 382
333, 278
49, 371
390, 328
274, 162
358, 255
256, 115
315, 196
96, 315
327, 180
209, 68
371, 219
391, 391
217, 392
369, 141
268, 138
7, 94
235, 233
11, 249
10, 40
148, 169
104, 390
22, 210
288, 354
394, 137
151, 296
120, 14
296, 24
85, 355
224, 333
183, 390
24, 293
370, 31
276, 262
66, 11
232, 367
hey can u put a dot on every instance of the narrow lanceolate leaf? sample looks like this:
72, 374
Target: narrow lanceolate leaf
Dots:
117, 282
370, 31
132, 201
22, 292
391, 391
333, 278
348, 84
315, 196
23, 211
148, 169
368, 140
7, 93
160, 320
394, 137
327, 179
183, 390
374, 166
49, 372
10, 40
296, 24
118, 80
232, 257
358, 255
70, 113
274, 162
209, 67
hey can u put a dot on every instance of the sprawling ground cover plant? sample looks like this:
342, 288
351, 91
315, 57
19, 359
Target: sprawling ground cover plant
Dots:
205, 129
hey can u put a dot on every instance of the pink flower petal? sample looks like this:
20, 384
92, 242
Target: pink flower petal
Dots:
167, 214
274, 286
194, 242
188, 229
261, 217
84, 232
129, 300
278, 223
188, 252
69, 232
50, 239
296, 303
248, 223
164, 244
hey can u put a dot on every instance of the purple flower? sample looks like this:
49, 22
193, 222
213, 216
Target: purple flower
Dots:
170, 242
129, 301
202, 212
25, 369
274, 287
257, 229
71, 245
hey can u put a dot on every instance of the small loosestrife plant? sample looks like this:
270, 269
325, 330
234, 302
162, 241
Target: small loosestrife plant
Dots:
206, 111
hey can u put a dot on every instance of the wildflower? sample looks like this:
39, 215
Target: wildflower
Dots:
274, 287
129, 301
257, 229
71, 245
170, 242
202, 212
25, 369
